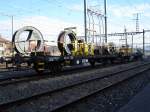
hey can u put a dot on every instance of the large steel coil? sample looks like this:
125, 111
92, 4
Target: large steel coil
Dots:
27, 39
65, 40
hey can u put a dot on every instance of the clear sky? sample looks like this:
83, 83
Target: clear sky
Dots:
51, 16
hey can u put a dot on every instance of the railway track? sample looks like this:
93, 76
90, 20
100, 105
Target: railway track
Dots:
54, 93
24, 76
29, 74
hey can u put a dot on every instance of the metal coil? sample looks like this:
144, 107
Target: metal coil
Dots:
65, 40
32, 35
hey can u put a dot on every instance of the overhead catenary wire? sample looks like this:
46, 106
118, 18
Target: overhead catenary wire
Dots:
38, 11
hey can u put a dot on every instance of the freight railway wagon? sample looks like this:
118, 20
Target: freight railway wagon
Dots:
73, 52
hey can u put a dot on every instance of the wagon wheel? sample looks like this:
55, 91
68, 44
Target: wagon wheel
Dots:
55, 68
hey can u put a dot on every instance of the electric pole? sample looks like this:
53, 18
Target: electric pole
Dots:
85, 20
12, 25
143, 41
105, 14
137, 22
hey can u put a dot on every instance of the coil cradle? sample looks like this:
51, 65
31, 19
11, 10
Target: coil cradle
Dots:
70, 46
28, 40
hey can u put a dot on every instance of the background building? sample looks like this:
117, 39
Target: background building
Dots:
5, 47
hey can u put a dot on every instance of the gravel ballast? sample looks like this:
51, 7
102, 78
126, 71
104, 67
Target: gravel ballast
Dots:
111, 99
32, 88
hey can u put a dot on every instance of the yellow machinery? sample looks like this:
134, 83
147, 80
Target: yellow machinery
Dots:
125, 51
